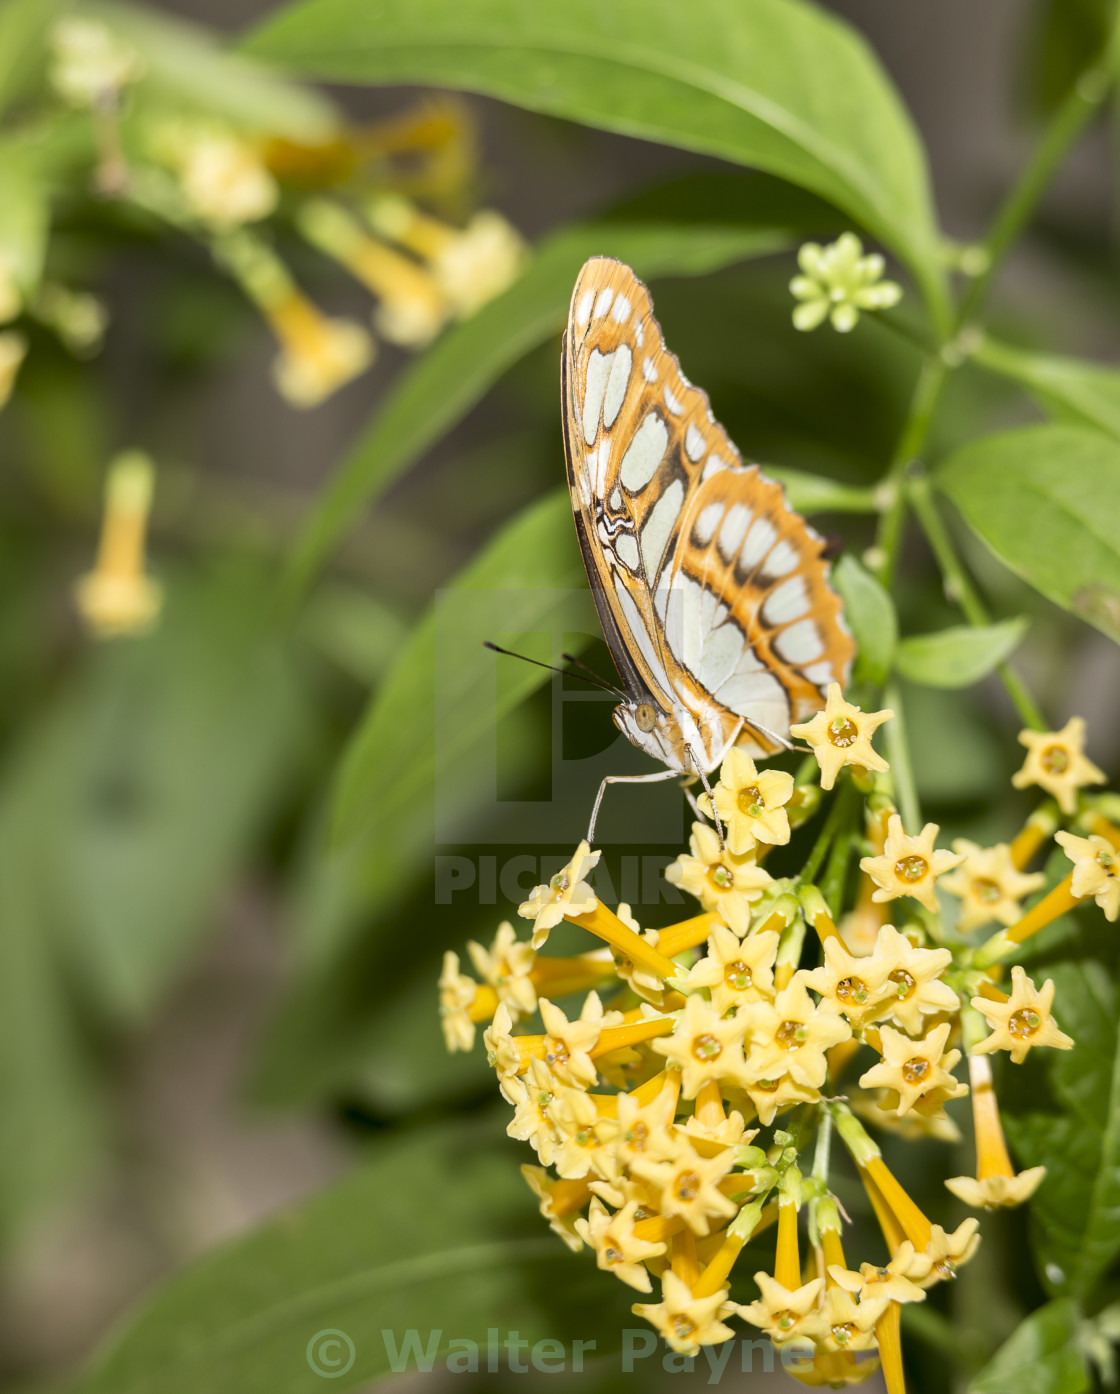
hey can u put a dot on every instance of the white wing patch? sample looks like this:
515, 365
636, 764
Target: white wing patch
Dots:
583, 309
617, 382
759, 541
627, 549
732, 530
704, 528
658, 526
675, 405
621, 308
603, 304
598, 371
782, 559
786, 602
644, 452
693, 442
800, 643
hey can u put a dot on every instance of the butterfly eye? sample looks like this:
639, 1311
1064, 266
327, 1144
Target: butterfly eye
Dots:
645, 716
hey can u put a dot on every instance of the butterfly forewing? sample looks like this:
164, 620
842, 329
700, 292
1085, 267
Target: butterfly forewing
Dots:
713, 593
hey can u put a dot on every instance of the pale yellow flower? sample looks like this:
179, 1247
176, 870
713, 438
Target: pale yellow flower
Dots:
735, 971
502, 1050
989, 885
1096, 870
532, 1096
943, 1255
729, 1132
456, 993
913, 1069
750, 802
704, 1046
909, 865
854, 985
914, 986
995, 1191
567, 1043
878, 1109
837, 281
783, 1313
687, 1322
841, 735
724, 883
477, 264
1056, 762
687, 1184
644, 982
617, 1248
567, 894
791, 1035
117, 597
585, 1138
318, 355
89, 62
876, 1282
545, 1187
13, 350
771, 1096
224, 180
506, 966
1023, 1021
645, 1130
845, 1324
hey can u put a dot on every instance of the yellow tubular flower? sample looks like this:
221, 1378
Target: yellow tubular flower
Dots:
915, 989
567, 1043
584, 1138
724, 883
1096, 870
502, 1050
1056, 762
996, 1183
566, 894
988, 885
841, 735
914, 1068
644, 1129
844, 1324
507, 966
853, 986
1022, 1021
560, 1202
785, 1314
943, 1254
791, 1035
617, 1249
771, 1096
456, 995
224, 180
688, 1184
735, 972
117, 598
887, 1281
909, 865
687, 1322
750, 803
705, 1046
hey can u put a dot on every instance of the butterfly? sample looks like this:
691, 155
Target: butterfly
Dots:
712, 592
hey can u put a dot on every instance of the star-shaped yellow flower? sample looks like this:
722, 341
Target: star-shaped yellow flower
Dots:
687, 1184
456, 993
735, 971
853, 985
546, 1189
783, 1313
1022, 1021
845, 1324
989, 885
914, 986
704, 1046
1096, 870
888, 1282
841, 735
724, 883
568, 893
1056, 762
567, 1043
995, 1191
584, 1137
914, 1068
750, 802
790, 1036
506, 966
617, 1249
909, 865
687, 1322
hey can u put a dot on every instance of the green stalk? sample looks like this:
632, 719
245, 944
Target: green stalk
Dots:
898, 754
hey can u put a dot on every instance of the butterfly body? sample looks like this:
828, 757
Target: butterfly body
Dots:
712, 592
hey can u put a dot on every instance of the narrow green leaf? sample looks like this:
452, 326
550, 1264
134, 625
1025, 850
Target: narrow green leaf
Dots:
869, 612
1084, 394
429, 718
186, 64
1046, 500
24, 214
23, 29
776, 84
960, 655
812, 493
1076, 1210
434, 1235
1040, 1357
441, 387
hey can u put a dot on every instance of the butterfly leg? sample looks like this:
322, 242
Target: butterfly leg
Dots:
711, 801
654, 778
686, 788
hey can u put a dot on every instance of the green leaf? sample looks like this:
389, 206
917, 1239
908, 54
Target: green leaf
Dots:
24, 214
1076, 1210
812, 493
172, 753
1046, 500
434, 1235
960, 655
1040, 1357
1067, 36
440, 388
1083, 394
185, 64
23, 28
869, 612
777, 84
425, 727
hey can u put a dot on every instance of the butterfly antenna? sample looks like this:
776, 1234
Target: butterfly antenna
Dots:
592, 675
588, 677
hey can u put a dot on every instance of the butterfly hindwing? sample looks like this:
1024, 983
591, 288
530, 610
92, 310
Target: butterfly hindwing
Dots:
713, 592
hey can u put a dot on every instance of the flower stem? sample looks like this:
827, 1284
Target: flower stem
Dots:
898, 753
927, 392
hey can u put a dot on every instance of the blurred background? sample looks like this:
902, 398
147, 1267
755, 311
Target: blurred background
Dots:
202, 1015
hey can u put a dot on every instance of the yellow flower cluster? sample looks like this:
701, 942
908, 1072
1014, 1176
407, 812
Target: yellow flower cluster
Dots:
687, 1102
